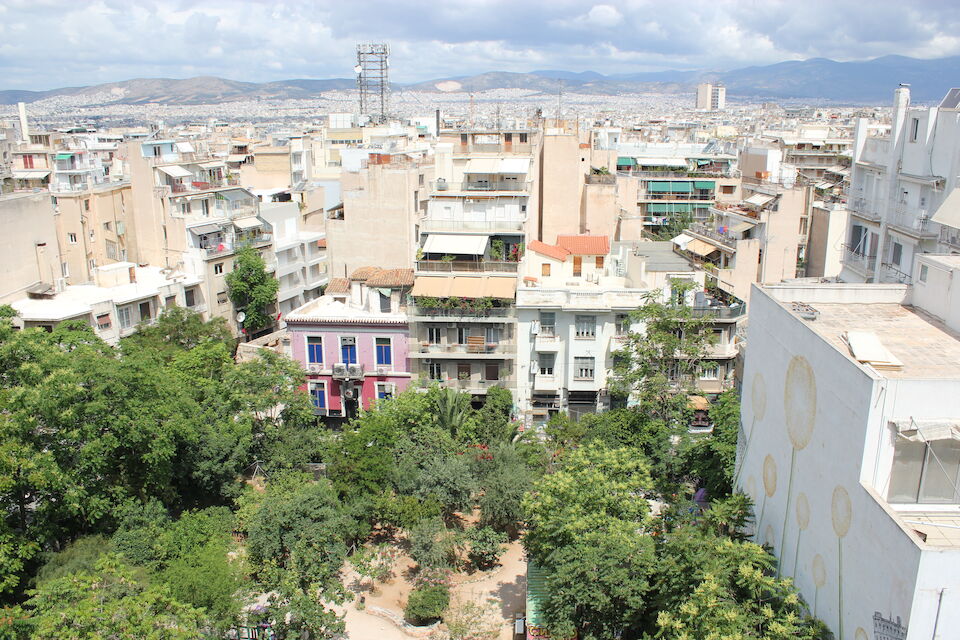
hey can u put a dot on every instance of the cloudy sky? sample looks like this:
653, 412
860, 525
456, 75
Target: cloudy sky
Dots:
52, 43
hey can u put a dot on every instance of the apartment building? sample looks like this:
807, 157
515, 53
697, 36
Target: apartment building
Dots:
760, 239
904, 197
33, 162
820, 152
849, 448
120, 297
711, 97
300, 255
92, 226
353, 342
28, 244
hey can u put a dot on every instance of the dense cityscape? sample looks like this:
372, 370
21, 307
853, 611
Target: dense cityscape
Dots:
493, 357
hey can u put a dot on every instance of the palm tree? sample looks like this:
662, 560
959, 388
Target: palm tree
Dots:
451, 410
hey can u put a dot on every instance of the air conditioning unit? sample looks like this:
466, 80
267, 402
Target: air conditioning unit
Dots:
348, 342
382, 371
339, 370
428, 361
314, 367
451, 325
355, 370
350, 393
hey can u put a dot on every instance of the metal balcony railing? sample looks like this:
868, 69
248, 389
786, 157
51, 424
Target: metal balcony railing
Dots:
856, 258
504, 348
440, 313
511, 186
466, 266
431, 224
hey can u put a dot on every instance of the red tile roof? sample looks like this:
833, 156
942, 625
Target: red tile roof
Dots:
585, 245
391, 278
364, 273
322, 243
557, 253
338, 285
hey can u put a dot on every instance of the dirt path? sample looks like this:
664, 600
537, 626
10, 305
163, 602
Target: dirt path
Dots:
506, 588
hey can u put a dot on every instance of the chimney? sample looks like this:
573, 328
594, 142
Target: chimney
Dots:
24, 126
133, 275
901, 101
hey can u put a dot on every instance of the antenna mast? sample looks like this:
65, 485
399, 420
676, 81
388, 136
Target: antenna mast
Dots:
372, 80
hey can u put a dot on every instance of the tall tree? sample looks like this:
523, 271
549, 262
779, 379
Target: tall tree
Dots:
251, 289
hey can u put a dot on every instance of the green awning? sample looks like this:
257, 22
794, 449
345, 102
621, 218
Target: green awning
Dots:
536, 594
656, 186
681, 187
624, 161
700, 163
64, 156
669, 207
704, 184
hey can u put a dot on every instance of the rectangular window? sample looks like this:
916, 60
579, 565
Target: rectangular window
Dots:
218, 268
384, 304
896, 254
221, 297
577, 265
125, 315
492, 335
583, 368
622, 324
435, 371
914, 129
107, 226
384, 390
491, 371
103, 321
384, 351
923, 272
72, 238
545, 269
434, 335
111, 250
65, 269
547, 362
190, 297
314, 350
599, 262
941, 472
523, 137
170, 302
348, 350
86, 204
710, 371
463, 370
462, 334
144, 311
586, 326
92, 263
548, 323
318, 394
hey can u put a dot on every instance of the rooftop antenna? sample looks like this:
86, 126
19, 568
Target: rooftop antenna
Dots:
372, 80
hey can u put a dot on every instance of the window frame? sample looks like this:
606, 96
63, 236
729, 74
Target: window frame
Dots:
389, 350
318, 385
580, 364
341, 345
541, 363
581, 335
311, 349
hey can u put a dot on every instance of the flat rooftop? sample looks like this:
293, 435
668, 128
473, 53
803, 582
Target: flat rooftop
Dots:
941, 528
925, 346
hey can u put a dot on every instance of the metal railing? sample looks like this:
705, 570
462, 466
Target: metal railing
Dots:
480, 266
893, 273
915, 222
950, 236
600, 179
512, 186
479, 386
857, 259
494, 147
483, 348
721, 313
226, 248
723, 238
441, 313
432, 224
684, 197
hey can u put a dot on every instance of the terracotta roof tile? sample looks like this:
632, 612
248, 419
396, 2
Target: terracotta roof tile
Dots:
585, 245
392, 278
549, 250
338, 285
322, 243
364, 273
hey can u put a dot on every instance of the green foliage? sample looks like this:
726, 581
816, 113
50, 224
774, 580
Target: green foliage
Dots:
469, 620
206, 578
109, 603
452, 409
176, 330
486, 547
503, 477
448, 482
712, 457
251, 289
427, 604
433, 545
80, 556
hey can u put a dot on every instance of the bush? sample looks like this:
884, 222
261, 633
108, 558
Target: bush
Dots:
426, 604
486, 546
433, 546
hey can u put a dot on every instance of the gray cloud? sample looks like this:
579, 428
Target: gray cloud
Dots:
51, 43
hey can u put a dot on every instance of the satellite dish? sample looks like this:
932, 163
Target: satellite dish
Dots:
357, 69
241, 317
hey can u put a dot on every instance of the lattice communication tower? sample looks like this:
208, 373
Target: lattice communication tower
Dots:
372, 81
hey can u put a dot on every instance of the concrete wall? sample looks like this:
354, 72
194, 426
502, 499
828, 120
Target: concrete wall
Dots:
26, 221
561, 185
95, 218
827, 233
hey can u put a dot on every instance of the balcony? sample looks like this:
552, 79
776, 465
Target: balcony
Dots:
226, 248
950, 236
466, 351
478, 387
913, 223
892, 273
194, 186
600, 179
677, 197
720, 312
713, 236
433, 225
493, 147
859, 261
585, 299
680, 174
516, 187
467, 266
864, 209
436, 313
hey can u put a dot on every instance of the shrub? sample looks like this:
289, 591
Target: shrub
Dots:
427, 604
486, 546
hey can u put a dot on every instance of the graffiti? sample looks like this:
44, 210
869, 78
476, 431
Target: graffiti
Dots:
887, 629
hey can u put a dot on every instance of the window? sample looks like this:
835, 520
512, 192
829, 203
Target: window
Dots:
314, 349
28, 161
599, 262
586, 326
896, 254
318, 394
144, 311
463, 370
65, 269
190, 297
914, 129
491, 371
111, 250
462, 334
384, 390
709, 371
622, 324
72, 238
492, 335
221, 297
86, 204
923, 272
577, 265
925, 472
523, 137
218, 268
583, 368
348, 350
384, 304
170, 302
125, 314
727, 189
92, 263
384, 351
547, 362
545, 269
435, 371
107, 226
434, 335
103, 321
548, 323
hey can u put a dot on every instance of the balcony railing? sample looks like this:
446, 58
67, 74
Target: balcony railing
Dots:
863, 209
950, 236
467, 266
482, 348
203, 185
600, 179
226, 248
725, 239
715, 175
892, 273
858, 260
494, 147
721, 313
513, 186
441, 313
913, 222
431, 224
479, 386
683, 197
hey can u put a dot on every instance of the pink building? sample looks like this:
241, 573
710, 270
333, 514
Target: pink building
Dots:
353, 342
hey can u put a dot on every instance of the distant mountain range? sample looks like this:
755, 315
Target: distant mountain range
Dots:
870, 81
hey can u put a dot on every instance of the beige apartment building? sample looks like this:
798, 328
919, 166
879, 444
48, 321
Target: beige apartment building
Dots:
92, 228
28, 244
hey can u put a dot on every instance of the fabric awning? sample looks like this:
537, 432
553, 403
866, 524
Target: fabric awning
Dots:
247, 223
515, 165
213, 164
63, 156
236, 157
185, 147
466, 287
456, 244
432, 286
682, 240
669, 207
204, 229
948, 212
700, 247
482, 165
175, 171
927, 429
500, 287
624, 161
30, 174
658, 186
759, 199
704, 184
740, 227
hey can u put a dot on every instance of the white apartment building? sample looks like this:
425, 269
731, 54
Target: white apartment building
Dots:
904, 197
711, 97
301, 256
849, 448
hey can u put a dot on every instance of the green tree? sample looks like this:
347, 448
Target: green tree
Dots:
426, 604
109, 603
448, 481
503, 478
711, 458
452, 409
433, 545
178, 329
493, 423
486, 547
252, 289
